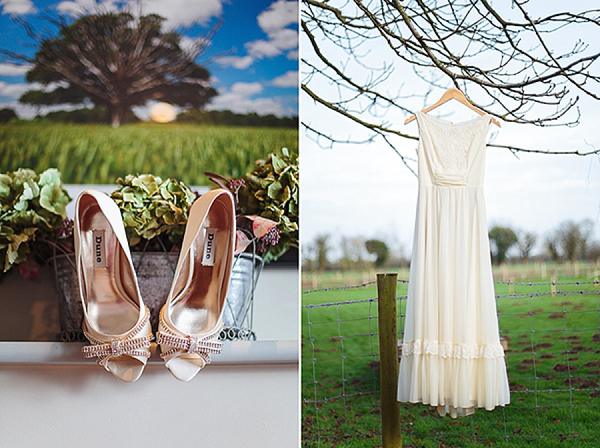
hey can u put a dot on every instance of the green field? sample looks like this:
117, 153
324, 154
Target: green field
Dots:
98, 154
553, 363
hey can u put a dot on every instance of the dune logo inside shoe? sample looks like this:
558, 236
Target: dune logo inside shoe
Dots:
99, 249
208, 253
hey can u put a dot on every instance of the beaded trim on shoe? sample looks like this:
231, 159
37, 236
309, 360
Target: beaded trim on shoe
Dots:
128, 345
203, 346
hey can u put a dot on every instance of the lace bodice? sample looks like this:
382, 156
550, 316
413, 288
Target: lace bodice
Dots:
452, 144
448, 146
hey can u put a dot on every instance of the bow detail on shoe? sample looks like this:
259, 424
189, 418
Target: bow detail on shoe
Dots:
202, 346
128, 345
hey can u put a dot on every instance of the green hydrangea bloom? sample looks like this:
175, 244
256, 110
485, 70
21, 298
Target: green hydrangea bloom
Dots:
32, 207
151, 206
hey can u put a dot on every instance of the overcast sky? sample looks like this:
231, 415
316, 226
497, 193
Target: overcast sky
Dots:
253, 58
365, 190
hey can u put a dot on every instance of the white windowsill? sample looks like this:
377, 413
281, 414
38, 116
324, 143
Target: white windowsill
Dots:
69, 353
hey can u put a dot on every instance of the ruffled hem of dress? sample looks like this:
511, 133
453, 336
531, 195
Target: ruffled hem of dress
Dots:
454, 385
450, 350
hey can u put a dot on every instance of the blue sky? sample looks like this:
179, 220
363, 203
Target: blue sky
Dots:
253, 57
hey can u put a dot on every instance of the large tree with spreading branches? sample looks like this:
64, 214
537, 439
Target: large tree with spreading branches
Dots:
117, 61
511, 63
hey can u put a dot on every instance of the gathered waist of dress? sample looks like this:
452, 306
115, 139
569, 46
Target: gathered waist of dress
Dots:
450, 179
453, 186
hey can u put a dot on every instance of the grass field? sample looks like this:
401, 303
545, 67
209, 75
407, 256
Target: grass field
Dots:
98, 154
553, 364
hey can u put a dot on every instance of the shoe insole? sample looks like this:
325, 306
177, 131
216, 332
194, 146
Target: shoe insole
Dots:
108, 282
198, 307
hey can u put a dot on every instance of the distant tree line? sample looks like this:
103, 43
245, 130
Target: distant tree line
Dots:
573, 241
84, 115
570, 241
212, 117
7, 114
229, 118
356, 254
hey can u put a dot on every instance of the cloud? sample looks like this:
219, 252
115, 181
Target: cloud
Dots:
285, 39
246, 88
17, 7
16, 90
279, 15
288, 79
184, 12
262, 48
176, 12
27, 112
78, 7
239, 62
8, 69
240, 98
273, 21
293, 55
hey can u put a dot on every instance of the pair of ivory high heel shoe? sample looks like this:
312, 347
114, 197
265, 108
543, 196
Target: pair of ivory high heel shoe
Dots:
116, 321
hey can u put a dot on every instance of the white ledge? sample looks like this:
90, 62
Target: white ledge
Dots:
69, 353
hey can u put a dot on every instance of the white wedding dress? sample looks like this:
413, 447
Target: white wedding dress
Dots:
451, 352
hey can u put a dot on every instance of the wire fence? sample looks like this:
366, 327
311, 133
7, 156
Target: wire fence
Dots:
551, 334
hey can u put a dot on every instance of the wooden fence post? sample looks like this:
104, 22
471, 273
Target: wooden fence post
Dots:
388, 358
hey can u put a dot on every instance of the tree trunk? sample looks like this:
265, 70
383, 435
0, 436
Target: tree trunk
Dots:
117, 115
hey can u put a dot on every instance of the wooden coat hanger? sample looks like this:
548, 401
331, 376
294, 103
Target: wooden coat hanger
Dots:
447, 96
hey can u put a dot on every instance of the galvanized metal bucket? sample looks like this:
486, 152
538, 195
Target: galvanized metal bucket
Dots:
155, 272
239, 307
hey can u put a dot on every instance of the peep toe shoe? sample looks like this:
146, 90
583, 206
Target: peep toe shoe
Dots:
191, 319
116, 321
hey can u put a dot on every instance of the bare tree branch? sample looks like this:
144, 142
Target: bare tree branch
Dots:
511, 63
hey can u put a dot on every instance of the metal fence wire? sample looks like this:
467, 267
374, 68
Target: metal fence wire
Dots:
551, 335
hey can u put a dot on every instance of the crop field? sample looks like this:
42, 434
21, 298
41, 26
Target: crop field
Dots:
98, 154
553, 358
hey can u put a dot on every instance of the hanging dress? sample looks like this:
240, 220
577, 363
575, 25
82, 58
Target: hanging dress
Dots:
451, 352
